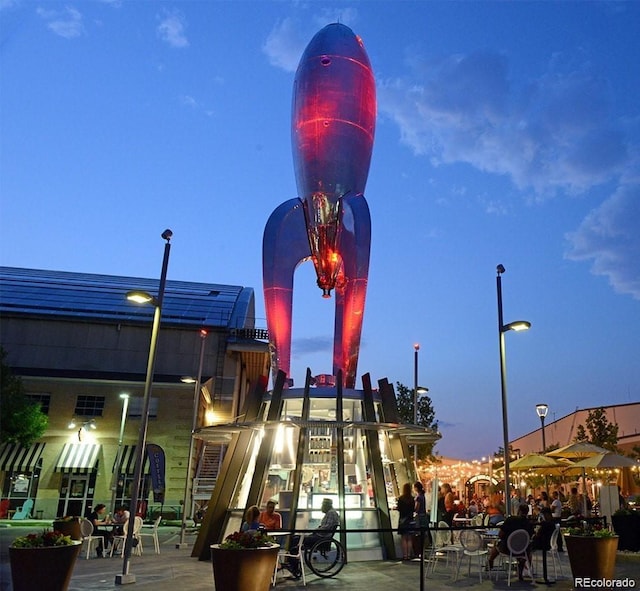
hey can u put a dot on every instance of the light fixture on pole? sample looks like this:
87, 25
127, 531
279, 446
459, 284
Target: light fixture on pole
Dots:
188, 498
518, 325
542, 410
416, 390
116, 471
141, 297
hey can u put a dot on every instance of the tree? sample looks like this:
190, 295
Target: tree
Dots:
600, 431
21, 421
425, 415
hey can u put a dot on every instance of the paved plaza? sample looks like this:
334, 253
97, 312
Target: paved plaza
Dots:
175, 570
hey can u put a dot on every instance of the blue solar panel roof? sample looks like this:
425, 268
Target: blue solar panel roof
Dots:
102, 297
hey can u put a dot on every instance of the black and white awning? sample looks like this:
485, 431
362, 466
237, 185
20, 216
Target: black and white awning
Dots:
78, 457
128, 461
16, 458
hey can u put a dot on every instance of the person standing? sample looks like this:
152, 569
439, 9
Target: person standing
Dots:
405, 508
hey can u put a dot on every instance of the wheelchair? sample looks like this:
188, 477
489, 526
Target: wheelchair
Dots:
325, 558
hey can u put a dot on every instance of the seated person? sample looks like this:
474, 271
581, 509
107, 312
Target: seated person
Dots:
270, 519
120, 517
251, 519
98, 518
510, 525
325, 530
542, 538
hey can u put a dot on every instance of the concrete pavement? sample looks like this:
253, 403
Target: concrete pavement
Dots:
175, 570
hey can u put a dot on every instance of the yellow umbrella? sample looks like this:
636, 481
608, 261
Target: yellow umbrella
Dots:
533, 461
578, 449
607, 460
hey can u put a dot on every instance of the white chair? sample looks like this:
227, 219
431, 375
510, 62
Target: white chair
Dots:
86, 530
553, 553
119, 540
518, 546
442, 546
284, 555
473, 546
151, 531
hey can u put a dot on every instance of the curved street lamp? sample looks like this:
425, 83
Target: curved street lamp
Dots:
517, 326
143, 297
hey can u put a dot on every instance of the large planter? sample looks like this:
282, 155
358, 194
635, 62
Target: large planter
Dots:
628, 529
241, 570
592, 557
45, 569
69, 527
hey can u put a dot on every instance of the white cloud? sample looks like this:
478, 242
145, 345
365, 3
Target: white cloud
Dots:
285, 45
610, 237
66, 23
172, 28
553, 135
556, 133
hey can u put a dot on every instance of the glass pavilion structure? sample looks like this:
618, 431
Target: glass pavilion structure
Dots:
298, 446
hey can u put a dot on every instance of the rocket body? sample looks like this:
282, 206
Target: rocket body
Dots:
332, 131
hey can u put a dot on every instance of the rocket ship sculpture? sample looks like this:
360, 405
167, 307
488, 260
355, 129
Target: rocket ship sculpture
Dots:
332, 130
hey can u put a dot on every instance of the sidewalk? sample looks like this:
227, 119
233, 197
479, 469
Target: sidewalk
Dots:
175, 570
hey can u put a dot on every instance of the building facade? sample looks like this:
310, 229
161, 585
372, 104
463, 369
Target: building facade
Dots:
78, 345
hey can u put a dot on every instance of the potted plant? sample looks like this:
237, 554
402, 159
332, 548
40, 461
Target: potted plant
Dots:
592, 551
245, 560
69, 525
626, 523
43, 561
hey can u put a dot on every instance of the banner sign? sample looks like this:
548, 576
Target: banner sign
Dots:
156, 468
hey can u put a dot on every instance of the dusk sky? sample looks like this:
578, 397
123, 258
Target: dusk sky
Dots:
507, 132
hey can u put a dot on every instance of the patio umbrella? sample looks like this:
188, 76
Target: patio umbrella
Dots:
607, 460
533, 461
579, 450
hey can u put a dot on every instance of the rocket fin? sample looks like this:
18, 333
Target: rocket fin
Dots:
284, 246
351, 293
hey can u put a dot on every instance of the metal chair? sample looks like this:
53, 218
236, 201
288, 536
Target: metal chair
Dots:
553, 552
473, 545
86, 530
284, 555
442, 546
120, 539
152, 534
518, 546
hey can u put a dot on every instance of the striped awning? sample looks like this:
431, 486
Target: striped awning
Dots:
78, 457
128, 463
15, 458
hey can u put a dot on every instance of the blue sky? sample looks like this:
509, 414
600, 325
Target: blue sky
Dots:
508, 132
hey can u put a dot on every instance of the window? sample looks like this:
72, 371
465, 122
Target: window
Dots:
43, 399
89, 406
135, 408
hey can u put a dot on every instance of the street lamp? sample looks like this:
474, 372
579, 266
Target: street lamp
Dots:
542, 410
123, 418
416, 390
142, 297
194, 420
502, 328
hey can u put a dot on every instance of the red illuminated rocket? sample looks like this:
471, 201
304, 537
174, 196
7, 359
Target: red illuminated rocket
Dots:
332, 130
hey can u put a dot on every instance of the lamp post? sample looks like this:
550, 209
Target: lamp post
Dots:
518, 325
194, 420
142, 297
123, 418
416, 390
542, 410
